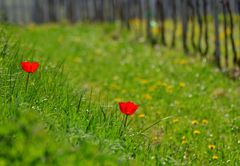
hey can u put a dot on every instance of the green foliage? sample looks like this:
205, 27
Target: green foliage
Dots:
74, 103
24, 141
49, 106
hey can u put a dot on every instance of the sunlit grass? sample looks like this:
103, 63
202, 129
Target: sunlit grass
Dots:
101, 68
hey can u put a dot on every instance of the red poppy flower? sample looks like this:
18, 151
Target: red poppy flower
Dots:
128, 108
29, 67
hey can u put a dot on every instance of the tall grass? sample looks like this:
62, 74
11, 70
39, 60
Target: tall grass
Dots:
81, 125
38, 124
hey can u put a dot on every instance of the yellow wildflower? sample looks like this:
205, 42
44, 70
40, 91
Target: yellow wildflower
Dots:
114, 86
184, 141
215, 157
194, 122
182, 85
117, 99
143, 81
205, 121
169, 89
181, 62
152, 88
175, 120
211, 147
147, 97
155, 138
141, 115
196, 132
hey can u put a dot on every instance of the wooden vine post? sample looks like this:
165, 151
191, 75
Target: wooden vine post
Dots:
227, 5
148, 20
184, 25
161, 17
174, 18
217, 53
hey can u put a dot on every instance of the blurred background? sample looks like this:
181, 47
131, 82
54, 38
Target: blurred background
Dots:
203, 26
94, 54
40, 11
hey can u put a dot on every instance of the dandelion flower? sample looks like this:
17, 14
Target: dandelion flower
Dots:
184, 142
194, 122
181, 62
155, 138
175, 120
196, 132
215, 157
141, 115
143, 81
211, 147
169, 89
182, 85
147, 97
205, 121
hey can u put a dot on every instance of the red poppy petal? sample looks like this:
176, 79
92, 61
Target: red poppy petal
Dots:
122, 106
26, 66
34, 66
135, 107
128, 108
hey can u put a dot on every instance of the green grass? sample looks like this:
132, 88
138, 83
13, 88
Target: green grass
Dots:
85, 70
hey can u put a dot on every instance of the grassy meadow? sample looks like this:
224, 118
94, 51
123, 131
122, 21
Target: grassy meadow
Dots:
69, 114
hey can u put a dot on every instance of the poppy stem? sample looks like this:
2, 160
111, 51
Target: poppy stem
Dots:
125, 121
28, 76
124, 124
